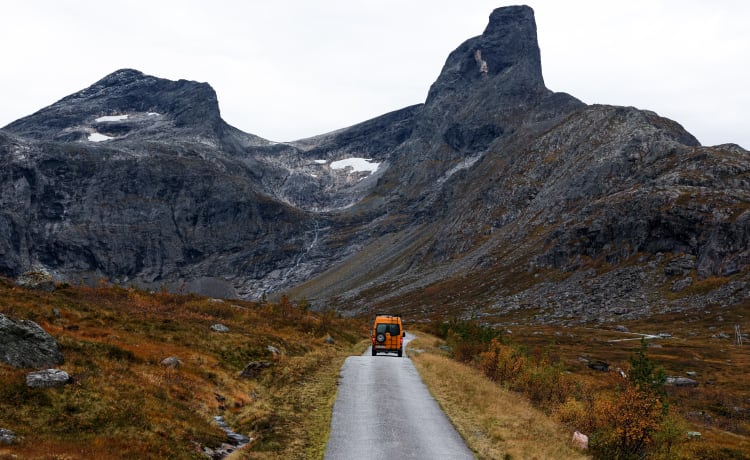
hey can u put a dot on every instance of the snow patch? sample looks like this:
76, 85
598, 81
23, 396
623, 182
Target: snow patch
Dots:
465, 164
153, 114
356, 164
111, 118
321, 162
98, 137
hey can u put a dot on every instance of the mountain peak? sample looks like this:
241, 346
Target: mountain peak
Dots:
125, 92
506, 56
121, 76
510, 40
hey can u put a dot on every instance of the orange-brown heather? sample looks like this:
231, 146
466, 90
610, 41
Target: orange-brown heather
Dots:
124, 404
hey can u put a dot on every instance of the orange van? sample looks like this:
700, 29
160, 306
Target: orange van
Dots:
387, 335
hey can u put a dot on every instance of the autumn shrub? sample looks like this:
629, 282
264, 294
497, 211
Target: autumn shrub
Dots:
535, 376
501, 362
626, 424
629, 423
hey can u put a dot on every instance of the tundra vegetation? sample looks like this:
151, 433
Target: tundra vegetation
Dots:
630, 411
125, 403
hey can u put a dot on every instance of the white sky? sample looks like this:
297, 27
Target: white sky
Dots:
289, 69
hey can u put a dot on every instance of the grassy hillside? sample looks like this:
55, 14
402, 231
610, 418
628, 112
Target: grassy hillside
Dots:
123, 403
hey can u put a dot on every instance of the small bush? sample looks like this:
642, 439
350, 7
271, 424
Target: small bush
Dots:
671, 433
574, 413
545, 385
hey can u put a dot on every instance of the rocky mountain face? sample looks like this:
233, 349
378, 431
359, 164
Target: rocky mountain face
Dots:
496, 195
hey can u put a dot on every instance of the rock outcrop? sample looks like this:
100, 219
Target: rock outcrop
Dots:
24, 343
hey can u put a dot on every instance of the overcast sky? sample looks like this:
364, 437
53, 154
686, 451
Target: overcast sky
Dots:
289, 69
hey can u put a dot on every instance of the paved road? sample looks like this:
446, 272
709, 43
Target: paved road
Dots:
383, 410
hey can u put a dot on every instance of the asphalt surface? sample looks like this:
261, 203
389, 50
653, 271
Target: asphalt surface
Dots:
383, 410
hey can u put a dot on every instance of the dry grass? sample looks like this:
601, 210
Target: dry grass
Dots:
495, 423
125, 404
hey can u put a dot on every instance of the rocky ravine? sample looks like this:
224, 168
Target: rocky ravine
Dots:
495, 195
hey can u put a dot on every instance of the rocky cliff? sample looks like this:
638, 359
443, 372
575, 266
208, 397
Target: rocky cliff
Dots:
495, 195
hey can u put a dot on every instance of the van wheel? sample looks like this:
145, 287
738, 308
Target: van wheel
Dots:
400, 352
374, 353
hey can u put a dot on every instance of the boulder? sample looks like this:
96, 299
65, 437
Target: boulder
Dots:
36, 280
275, 352
598, 366
329, 340
24, 343
47, 378
233, 437
681, 382
580, 440
171, 362
219, 328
